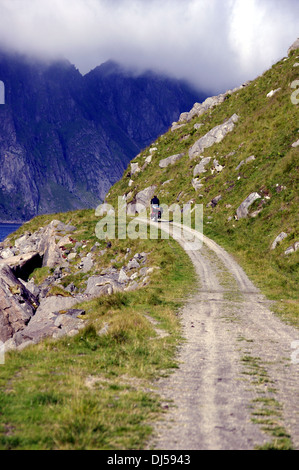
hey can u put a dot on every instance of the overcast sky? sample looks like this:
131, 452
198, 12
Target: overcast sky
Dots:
216, 44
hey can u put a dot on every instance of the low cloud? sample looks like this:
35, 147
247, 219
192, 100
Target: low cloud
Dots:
215, 44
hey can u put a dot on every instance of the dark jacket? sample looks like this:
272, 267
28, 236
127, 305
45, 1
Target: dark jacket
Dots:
155, 200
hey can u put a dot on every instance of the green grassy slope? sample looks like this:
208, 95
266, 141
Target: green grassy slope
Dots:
267, 128
97, 391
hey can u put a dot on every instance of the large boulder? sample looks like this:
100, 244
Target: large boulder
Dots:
214, 136
23, 265
44, 323
141, 201
170, 160
17, 304
45, 242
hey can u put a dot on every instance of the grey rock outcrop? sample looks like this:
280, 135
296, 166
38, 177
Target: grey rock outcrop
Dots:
200, 108
242, 210
278, 239
200, 167
170, 160
294, 46
46, 244
55, 317
196, 183
141, 200
135, 169
22, 265
17, 304
214, 136
292, 249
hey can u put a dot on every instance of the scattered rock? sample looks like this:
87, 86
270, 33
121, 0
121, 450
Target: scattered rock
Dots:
217, 167
87, 263
200, 167
279, 188
196, 183
242, 210
135, 169
122, 278
294, 145
272, 92
166, 182
133, 264
239, 166
215, 201
278, 239
291, 249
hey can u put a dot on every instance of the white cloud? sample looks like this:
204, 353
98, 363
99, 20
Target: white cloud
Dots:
215, 43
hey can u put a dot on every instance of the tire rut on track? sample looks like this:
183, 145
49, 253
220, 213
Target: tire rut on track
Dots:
234, 367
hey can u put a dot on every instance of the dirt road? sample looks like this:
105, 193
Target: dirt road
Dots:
238, 379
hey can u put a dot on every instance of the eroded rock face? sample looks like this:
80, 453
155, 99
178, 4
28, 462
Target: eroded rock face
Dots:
17, 304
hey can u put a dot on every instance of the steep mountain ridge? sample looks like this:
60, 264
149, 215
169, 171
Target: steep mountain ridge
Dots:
236, 154
61, 145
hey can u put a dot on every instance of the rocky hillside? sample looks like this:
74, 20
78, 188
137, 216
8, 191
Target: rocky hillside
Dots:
236, 154
46, 272
66, 138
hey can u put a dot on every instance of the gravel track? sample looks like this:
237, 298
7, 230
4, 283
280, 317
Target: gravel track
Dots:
234, 366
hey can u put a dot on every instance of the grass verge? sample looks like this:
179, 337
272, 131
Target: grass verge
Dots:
96, 390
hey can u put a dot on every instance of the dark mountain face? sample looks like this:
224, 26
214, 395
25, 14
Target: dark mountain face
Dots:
66, 138
141, 105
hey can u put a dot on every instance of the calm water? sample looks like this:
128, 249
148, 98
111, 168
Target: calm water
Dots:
6, 229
